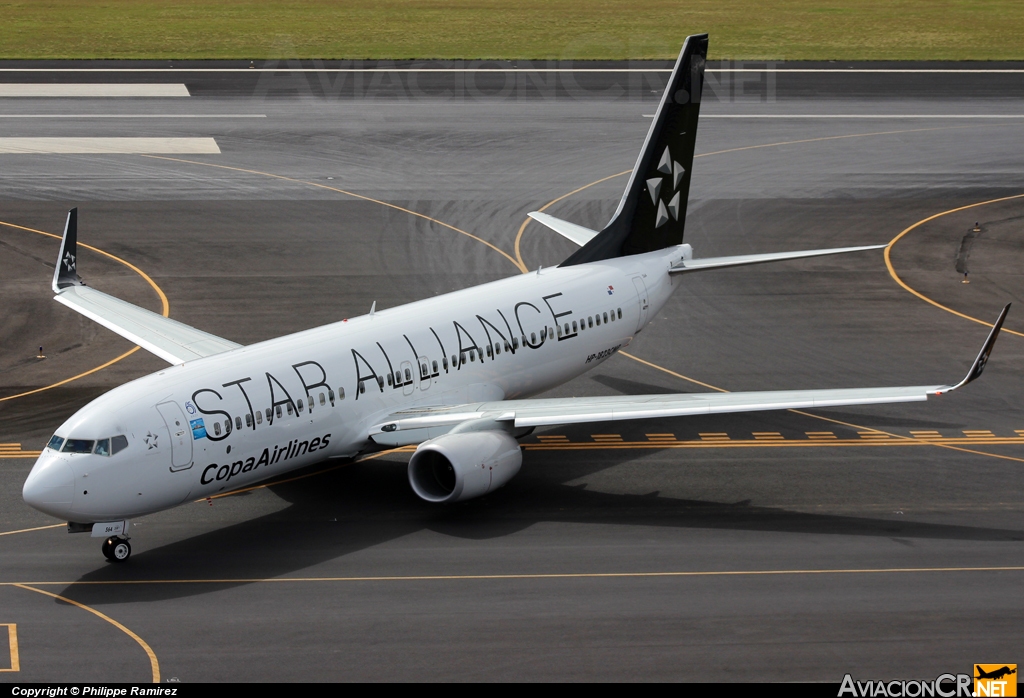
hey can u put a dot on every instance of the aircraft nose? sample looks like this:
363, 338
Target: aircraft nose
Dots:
50, 486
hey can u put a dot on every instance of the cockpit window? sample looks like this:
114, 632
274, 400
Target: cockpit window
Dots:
55, 442
77, 446
102, 447
118, 443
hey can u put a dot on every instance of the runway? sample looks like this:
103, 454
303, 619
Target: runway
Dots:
886, 541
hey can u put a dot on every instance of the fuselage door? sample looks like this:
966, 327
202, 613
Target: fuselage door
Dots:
181, 435
641, 290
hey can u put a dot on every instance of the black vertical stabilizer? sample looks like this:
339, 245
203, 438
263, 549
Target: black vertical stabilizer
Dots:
652, 212
66, 273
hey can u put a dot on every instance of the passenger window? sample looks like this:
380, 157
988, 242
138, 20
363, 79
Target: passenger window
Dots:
322, 400
102, 447
309, 403
118, 444
298, 405
497, 349
559, 329
390, 381
444, 363
515, 342
362, 387
434, 364
77, 446
606, 317
524, 340
533, 338
55, 442
567, 328
490, 354
613, 315
508, 347
216, 428
462, 359
330, 395
619, 312
597, 320
288, 406
248, 420
270, 414
278, 410
573, 325
590, 321
341, 395
238, 422
380, 382
408, 375
259, 417
227, 426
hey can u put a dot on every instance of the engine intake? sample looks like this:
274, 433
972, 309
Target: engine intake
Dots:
456, 467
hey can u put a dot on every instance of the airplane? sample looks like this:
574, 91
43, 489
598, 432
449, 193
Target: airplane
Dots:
995, 674
453, 374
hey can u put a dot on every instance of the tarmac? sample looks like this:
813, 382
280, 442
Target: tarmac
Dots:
886, 541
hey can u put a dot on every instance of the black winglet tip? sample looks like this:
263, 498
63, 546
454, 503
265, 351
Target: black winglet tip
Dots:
986, 349
66, 272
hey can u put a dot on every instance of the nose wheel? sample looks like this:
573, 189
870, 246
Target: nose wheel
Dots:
117, 549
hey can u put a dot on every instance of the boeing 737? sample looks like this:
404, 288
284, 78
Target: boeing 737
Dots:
454, 374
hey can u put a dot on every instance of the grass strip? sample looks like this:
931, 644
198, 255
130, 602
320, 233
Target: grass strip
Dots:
511, 29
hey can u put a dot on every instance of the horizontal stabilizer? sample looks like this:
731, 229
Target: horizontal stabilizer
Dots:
572, 232
740, 260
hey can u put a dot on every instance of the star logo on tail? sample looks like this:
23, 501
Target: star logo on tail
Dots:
69, 261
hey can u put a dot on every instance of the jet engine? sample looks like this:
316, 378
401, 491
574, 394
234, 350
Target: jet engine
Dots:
464, 465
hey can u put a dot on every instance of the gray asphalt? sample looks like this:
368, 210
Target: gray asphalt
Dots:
779, 558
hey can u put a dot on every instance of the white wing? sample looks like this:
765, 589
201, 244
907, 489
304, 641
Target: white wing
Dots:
419, 424
169, 339
172, 341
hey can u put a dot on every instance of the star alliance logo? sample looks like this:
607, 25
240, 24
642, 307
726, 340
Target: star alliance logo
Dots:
674, 172
69, 261
151, 440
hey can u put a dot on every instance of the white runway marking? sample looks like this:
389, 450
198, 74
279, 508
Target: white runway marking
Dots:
133, 116
108, 145
14, 89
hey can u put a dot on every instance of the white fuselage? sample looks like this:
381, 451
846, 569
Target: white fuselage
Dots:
229, 420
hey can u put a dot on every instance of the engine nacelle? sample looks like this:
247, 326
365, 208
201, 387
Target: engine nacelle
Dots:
461, 466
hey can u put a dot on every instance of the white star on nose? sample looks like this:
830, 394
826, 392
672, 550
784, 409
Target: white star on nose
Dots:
151, 440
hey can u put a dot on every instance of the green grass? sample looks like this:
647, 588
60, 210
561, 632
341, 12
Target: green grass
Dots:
527, 29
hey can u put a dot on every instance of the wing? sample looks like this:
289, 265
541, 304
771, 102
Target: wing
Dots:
172, 341
419, 424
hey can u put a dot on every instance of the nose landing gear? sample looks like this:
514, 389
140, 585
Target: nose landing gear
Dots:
117, 549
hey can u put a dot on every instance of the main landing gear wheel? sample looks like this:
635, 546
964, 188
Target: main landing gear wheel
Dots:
117, 549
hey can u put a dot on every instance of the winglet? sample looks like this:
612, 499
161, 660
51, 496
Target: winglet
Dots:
979, 363
66, 273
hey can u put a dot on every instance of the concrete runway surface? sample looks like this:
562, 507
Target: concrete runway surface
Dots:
885, 541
